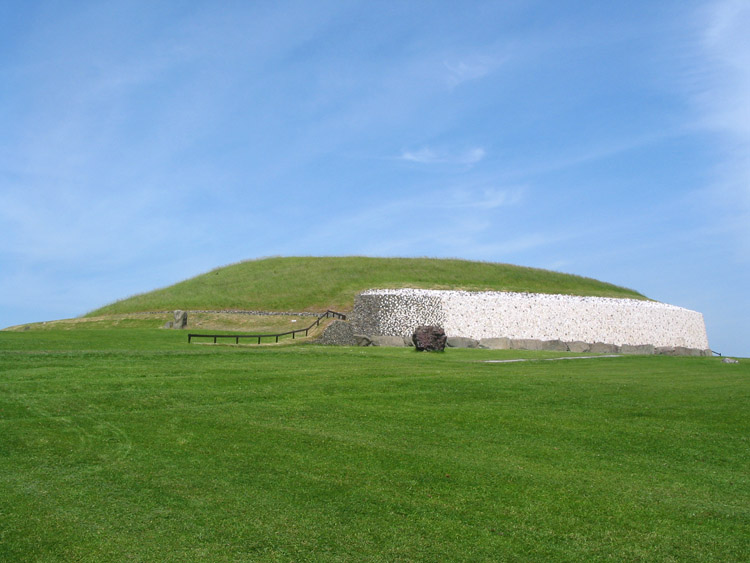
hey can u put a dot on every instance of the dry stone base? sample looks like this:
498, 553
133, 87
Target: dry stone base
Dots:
347, 338
338, 333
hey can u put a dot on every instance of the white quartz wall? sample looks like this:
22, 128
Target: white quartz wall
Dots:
530, 315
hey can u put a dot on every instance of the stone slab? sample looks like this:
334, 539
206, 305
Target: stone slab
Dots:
461, 342
495, 343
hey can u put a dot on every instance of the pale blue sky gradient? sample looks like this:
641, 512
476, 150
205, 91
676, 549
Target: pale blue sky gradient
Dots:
146, 142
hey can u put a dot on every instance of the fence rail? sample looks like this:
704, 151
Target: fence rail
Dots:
237, 337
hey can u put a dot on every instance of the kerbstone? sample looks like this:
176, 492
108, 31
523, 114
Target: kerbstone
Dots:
495, 343
362, 340
391, 341
461, 342
603, 348
578, 347
525, 344
639, 349
554, 345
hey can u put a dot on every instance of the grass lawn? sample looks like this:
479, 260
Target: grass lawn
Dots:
130, 444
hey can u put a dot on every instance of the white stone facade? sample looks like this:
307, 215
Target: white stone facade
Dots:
493, 314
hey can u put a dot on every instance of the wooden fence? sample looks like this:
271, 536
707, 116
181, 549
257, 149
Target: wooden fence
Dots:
237, 337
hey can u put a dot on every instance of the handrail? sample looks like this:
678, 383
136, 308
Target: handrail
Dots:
237, 337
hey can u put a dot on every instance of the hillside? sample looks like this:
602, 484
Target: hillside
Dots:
316, 284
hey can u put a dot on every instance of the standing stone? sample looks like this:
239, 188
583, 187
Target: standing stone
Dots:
180, 319
429, 338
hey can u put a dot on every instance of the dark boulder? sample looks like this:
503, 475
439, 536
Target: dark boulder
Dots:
429, 338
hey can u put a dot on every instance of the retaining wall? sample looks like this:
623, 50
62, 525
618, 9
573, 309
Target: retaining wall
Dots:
493, 314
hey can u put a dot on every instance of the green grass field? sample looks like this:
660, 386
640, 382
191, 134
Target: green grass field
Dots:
317, 284
129, 444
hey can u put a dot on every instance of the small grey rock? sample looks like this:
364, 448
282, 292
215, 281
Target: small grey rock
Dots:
729, 361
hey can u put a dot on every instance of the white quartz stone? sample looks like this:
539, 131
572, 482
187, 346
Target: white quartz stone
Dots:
492, 314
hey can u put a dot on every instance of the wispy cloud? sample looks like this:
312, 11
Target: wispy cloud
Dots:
482, 198
427, 155
722, 97
460, 70
450, 221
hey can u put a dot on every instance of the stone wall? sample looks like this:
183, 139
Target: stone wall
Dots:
492, 314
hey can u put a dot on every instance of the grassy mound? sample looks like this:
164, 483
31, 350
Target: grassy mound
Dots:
316, 284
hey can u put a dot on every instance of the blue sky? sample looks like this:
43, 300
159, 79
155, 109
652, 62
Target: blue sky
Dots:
146, 142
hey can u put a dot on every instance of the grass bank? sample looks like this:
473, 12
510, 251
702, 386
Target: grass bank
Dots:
317, 284
127, 443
